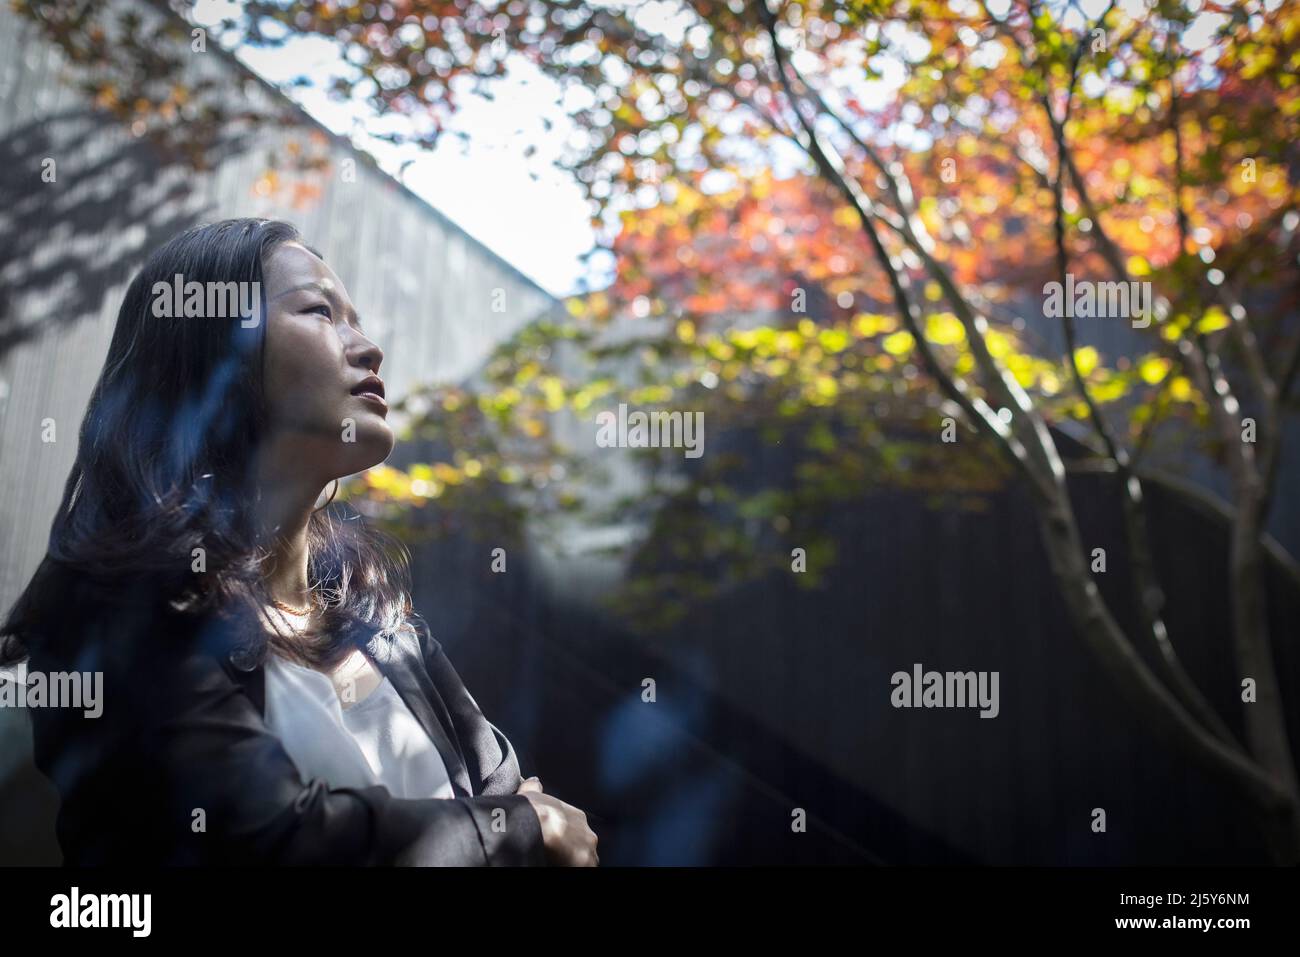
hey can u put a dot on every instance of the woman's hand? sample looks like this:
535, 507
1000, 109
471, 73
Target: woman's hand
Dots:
569, 841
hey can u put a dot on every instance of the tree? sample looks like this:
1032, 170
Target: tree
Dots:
958, 156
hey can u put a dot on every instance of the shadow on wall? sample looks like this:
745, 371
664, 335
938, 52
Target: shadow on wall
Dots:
65, 243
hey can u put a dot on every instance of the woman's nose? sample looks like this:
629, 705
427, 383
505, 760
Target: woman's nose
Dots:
369, 355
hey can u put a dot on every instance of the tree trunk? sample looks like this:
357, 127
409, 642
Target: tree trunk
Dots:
1277, 805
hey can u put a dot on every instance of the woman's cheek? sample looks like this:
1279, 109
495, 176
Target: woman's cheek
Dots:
307, 384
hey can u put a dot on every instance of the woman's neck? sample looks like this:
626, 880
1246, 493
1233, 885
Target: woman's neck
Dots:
286, 577
284, 511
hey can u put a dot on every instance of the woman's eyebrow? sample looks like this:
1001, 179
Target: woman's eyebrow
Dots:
325, 291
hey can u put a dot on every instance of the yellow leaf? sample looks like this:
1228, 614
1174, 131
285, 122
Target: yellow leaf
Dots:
869, 324
553, 389
1154, 369
1086, 359
720, 349
944, 329
999, 345
1022, 367
1109, 390
1213, 320
786, 341
833, 340
898, 344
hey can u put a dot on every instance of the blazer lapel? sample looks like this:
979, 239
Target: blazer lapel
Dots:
415, 688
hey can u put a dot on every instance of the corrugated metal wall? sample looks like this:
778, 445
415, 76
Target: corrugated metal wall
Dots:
69, 248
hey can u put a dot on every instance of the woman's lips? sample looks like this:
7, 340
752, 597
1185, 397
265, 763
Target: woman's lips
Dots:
374, 398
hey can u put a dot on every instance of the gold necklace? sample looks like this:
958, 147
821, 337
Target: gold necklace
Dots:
290, 609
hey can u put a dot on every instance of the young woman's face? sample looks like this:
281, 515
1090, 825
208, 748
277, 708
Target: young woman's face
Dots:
325, 402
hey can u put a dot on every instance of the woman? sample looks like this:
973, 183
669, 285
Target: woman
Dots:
270, 697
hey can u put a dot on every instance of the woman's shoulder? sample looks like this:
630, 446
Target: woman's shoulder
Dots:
419, 626
71, 614
428, 647
60, 591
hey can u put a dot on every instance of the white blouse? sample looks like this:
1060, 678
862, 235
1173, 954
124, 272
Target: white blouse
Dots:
375, 741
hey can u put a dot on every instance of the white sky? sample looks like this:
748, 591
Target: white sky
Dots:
540, 226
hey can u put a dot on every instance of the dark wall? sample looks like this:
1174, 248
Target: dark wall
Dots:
772, 698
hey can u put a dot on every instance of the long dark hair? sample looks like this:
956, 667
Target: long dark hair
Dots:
165, 462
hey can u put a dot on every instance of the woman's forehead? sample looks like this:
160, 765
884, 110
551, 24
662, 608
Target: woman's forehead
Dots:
291, 265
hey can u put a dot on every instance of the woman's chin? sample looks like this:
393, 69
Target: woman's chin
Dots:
373, 446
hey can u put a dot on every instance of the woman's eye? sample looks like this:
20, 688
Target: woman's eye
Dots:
321, 308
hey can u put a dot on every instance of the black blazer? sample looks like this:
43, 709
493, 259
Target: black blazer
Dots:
181, 769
